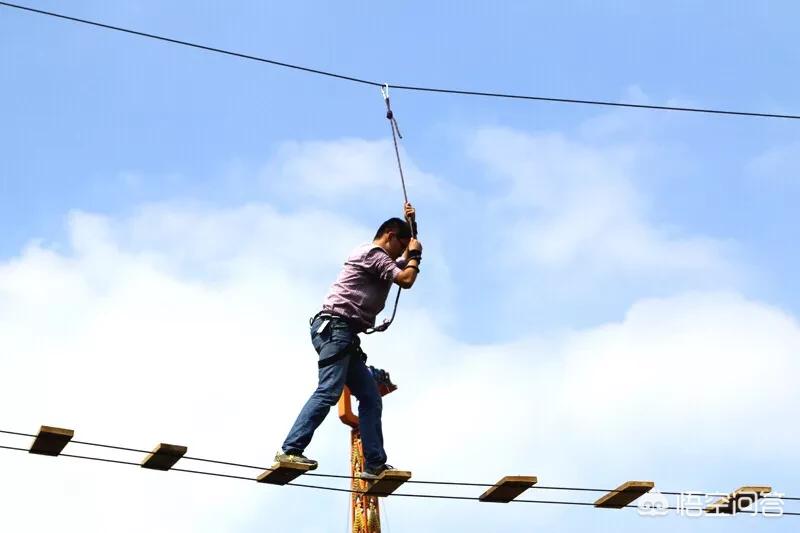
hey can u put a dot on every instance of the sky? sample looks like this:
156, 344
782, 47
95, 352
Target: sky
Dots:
607, 294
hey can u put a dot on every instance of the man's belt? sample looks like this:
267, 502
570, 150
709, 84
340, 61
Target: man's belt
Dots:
352, 323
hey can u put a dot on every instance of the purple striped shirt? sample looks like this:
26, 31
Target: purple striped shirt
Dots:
360, 291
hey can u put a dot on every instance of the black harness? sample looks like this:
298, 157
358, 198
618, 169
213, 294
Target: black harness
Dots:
354, 348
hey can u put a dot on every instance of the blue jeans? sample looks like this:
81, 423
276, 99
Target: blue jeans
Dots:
340, 346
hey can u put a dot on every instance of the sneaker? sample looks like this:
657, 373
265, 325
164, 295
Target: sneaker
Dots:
295, 457
371, 474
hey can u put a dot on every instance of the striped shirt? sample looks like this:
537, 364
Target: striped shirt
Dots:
360, 291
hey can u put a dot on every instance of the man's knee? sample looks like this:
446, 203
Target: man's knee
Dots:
328, 395
329, 399
371, 401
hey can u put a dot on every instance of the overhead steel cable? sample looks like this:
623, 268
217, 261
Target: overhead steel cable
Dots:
187, 43
310, 474
398, 86
596, 102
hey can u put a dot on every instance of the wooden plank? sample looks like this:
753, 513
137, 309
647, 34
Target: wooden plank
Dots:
282, 473
164, 457
624, 494
387, 482
508, 488
741, 497
51, 441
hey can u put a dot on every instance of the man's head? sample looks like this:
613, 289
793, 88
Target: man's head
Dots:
393, 236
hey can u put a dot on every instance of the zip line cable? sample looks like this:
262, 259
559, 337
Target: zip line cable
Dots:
312, 474
350, 491
187, 43
400, 87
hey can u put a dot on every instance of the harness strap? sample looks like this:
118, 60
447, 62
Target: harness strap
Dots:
328, 361
354, 348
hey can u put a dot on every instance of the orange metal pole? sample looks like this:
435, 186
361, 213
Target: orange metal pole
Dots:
364, 509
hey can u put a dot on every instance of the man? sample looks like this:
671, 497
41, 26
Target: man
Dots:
350, 308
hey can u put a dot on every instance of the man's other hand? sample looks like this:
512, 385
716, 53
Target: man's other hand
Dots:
410, 212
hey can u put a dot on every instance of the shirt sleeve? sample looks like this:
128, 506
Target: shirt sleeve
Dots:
378, 262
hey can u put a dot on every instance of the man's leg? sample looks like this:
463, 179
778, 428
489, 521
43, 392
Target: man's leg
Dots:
331, 383
370, 408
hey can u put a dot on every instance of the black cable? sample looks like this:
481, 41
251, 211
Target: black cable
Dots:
17, 433
101, 459
123, 448
314, 474
212, 474
596, 102
439, 496
401, 87
13, 448
335, 489
190, 44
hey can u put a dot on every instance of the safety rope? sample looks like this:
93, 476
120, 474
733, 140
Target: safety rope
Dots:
395, 135
412, 223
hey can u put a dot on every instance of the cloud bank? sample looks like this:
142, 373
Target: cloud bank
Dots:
187, 323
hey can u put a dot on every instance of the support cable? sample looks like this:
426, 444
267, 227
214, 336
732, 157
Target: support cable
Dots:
396, 86
333, 476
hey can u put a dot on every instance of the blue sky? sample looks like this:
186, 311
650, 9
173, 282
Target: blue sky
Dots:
84, 107
545, 224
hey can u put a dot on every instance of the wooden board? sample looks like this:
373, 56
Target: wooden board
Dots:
387, 482
282, 473
508, 488
734, 502
51, 441
624, 494
164, 456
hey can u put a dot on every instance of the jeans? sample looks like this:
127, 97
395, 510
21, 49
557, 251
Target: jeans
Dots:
338, 339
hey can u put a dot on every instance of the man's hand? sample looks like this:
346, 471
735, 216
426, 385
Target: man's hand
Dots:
408, 275
410, 212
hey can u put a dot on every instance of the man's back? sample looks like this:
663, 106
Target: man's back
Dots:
360, 291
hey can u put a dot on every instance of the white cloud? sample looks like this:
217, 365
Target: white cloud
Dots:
693, 391
330, 170
119, 341
575, 205
186, 324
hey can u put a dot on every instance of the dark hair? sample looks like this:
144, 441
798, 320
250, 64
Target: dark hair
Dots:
397, 225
